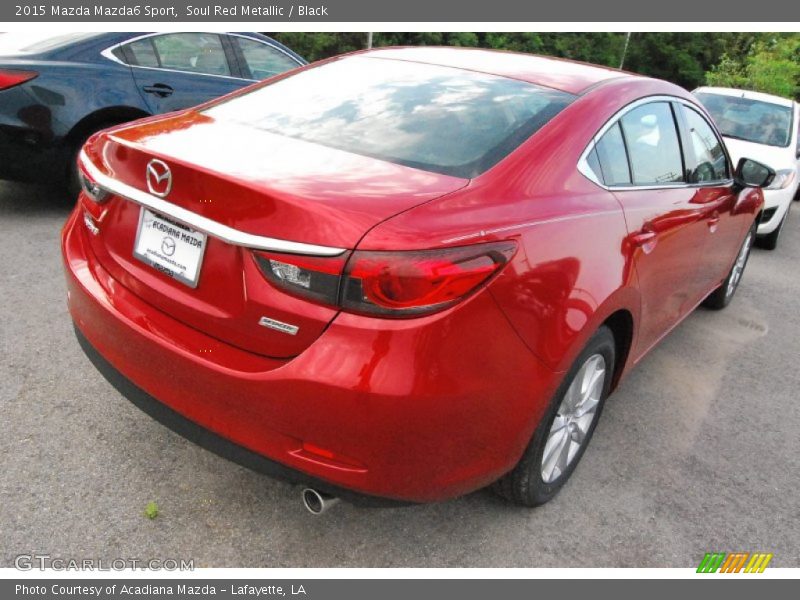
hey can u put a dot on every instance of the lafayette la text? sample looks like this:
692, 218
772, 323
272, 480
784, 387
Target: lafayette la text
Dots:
161, 590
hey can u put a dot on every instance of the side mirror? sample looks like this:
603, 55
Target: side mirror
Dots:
751, 173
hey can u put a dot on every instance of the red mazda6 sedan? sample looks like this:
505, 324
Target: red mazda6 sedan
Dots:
407, 273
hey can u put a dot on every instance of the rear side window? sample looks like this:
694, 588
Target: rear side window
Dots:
594, 163
430, 117
119, 53
262, 60
194, 52
142, 53
613, 157
651, 138
710, 162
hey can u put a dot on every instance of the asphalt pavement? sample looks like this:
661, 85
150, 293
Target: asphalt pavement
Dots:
698, 451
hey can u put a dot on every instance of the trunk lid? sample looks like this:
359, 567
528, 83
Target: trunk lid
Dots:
257, 183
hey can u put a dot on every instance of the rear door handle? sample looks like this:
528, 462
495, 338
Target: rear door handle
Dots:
645, 239
162, 90
713, 222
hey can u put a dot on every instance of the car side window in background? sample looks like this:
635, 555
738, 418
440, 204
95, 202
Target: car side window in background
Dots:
613, 157
195, 52
653, 147
263, 60
142, 53
798, 135
711, 163
119, 53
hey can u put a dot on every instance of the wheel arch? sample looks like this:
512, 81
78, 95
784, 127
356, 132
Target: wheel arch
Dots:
620, 312
103, 116
94, 121
621, 325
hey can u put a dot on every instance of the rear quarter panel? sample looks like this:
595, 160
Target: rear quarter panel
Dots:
36, 118
65, 93
574, 266
571, 270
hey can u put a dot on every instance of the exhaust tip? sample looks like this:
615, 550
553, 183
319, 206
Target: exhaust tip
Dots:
317, 502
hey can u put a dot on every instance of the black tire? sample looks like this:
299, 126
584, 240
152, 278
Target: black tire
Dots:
722, 296
770, 241
525, 485
71, 180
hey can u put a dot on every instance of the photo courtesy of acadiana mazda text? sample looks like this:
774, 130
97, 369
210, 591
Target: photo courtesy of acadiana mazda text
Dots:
405, 274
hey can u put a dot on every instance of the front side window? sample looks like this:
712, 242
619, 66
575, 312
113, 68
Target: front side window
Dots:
430, 117
711, 164
750, 120
264, 61
194, 52
651, 138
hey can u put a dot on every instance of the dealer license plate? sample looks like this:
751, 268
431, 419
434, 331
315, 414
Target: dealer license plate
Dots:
170, 247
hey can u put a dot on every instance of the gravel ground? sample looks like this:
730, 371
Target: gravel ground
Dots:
698, 450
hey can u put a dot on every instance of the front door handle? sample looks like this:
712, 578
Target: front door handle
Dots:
162, 90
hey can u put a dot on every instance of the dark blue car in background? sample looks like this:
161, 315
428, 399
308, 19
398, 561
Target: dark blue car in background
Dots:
57, 91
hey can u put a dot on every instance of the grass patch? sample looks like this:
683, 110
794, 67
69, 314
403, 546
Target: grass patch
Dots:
151, 510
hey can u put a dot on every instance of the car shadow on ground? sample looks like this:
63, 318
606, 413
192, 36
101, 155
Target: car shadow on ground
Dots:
34, 200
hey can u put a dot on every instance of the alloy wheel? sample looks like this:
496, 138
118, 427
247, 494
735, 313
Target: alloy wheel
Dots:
574, 418
738, 267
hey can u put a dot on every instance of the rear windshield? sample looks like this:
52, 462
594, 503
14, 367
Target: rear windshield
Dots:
33, 43
434, 118
750, 120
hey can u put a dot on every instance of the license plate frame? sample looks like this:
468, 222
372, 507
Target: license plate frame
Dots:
179, 250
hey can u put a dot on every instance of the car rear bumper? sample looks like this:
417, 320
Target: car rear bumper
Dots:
213, 442
415, 410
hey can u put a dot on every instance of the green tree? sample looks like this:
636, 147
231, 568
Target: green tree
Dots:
770, 65
316, 46
683, 58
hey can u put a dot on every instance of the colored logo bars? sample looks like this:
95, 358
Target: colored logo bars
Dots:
734, 562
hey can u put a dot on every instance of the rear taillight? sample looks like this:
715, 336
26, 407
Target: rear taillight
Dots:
89, 186
9, 78
312, 277
397, 284
389, 284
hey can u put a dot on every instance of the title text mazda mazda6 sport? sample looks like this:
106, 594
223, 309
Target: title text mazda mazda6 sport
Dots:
407, 273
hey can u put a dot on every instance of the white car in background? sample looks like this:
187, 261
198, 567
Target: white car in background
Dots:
765, 128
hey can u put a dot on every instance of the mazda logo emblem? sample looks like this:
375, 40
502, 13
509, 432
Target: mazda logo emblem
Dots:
168, 246
159, 178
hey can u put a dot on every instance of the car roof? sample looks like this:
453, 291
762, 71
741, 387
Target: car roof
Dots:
77, 45
750, 95
566, 75
22, 43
